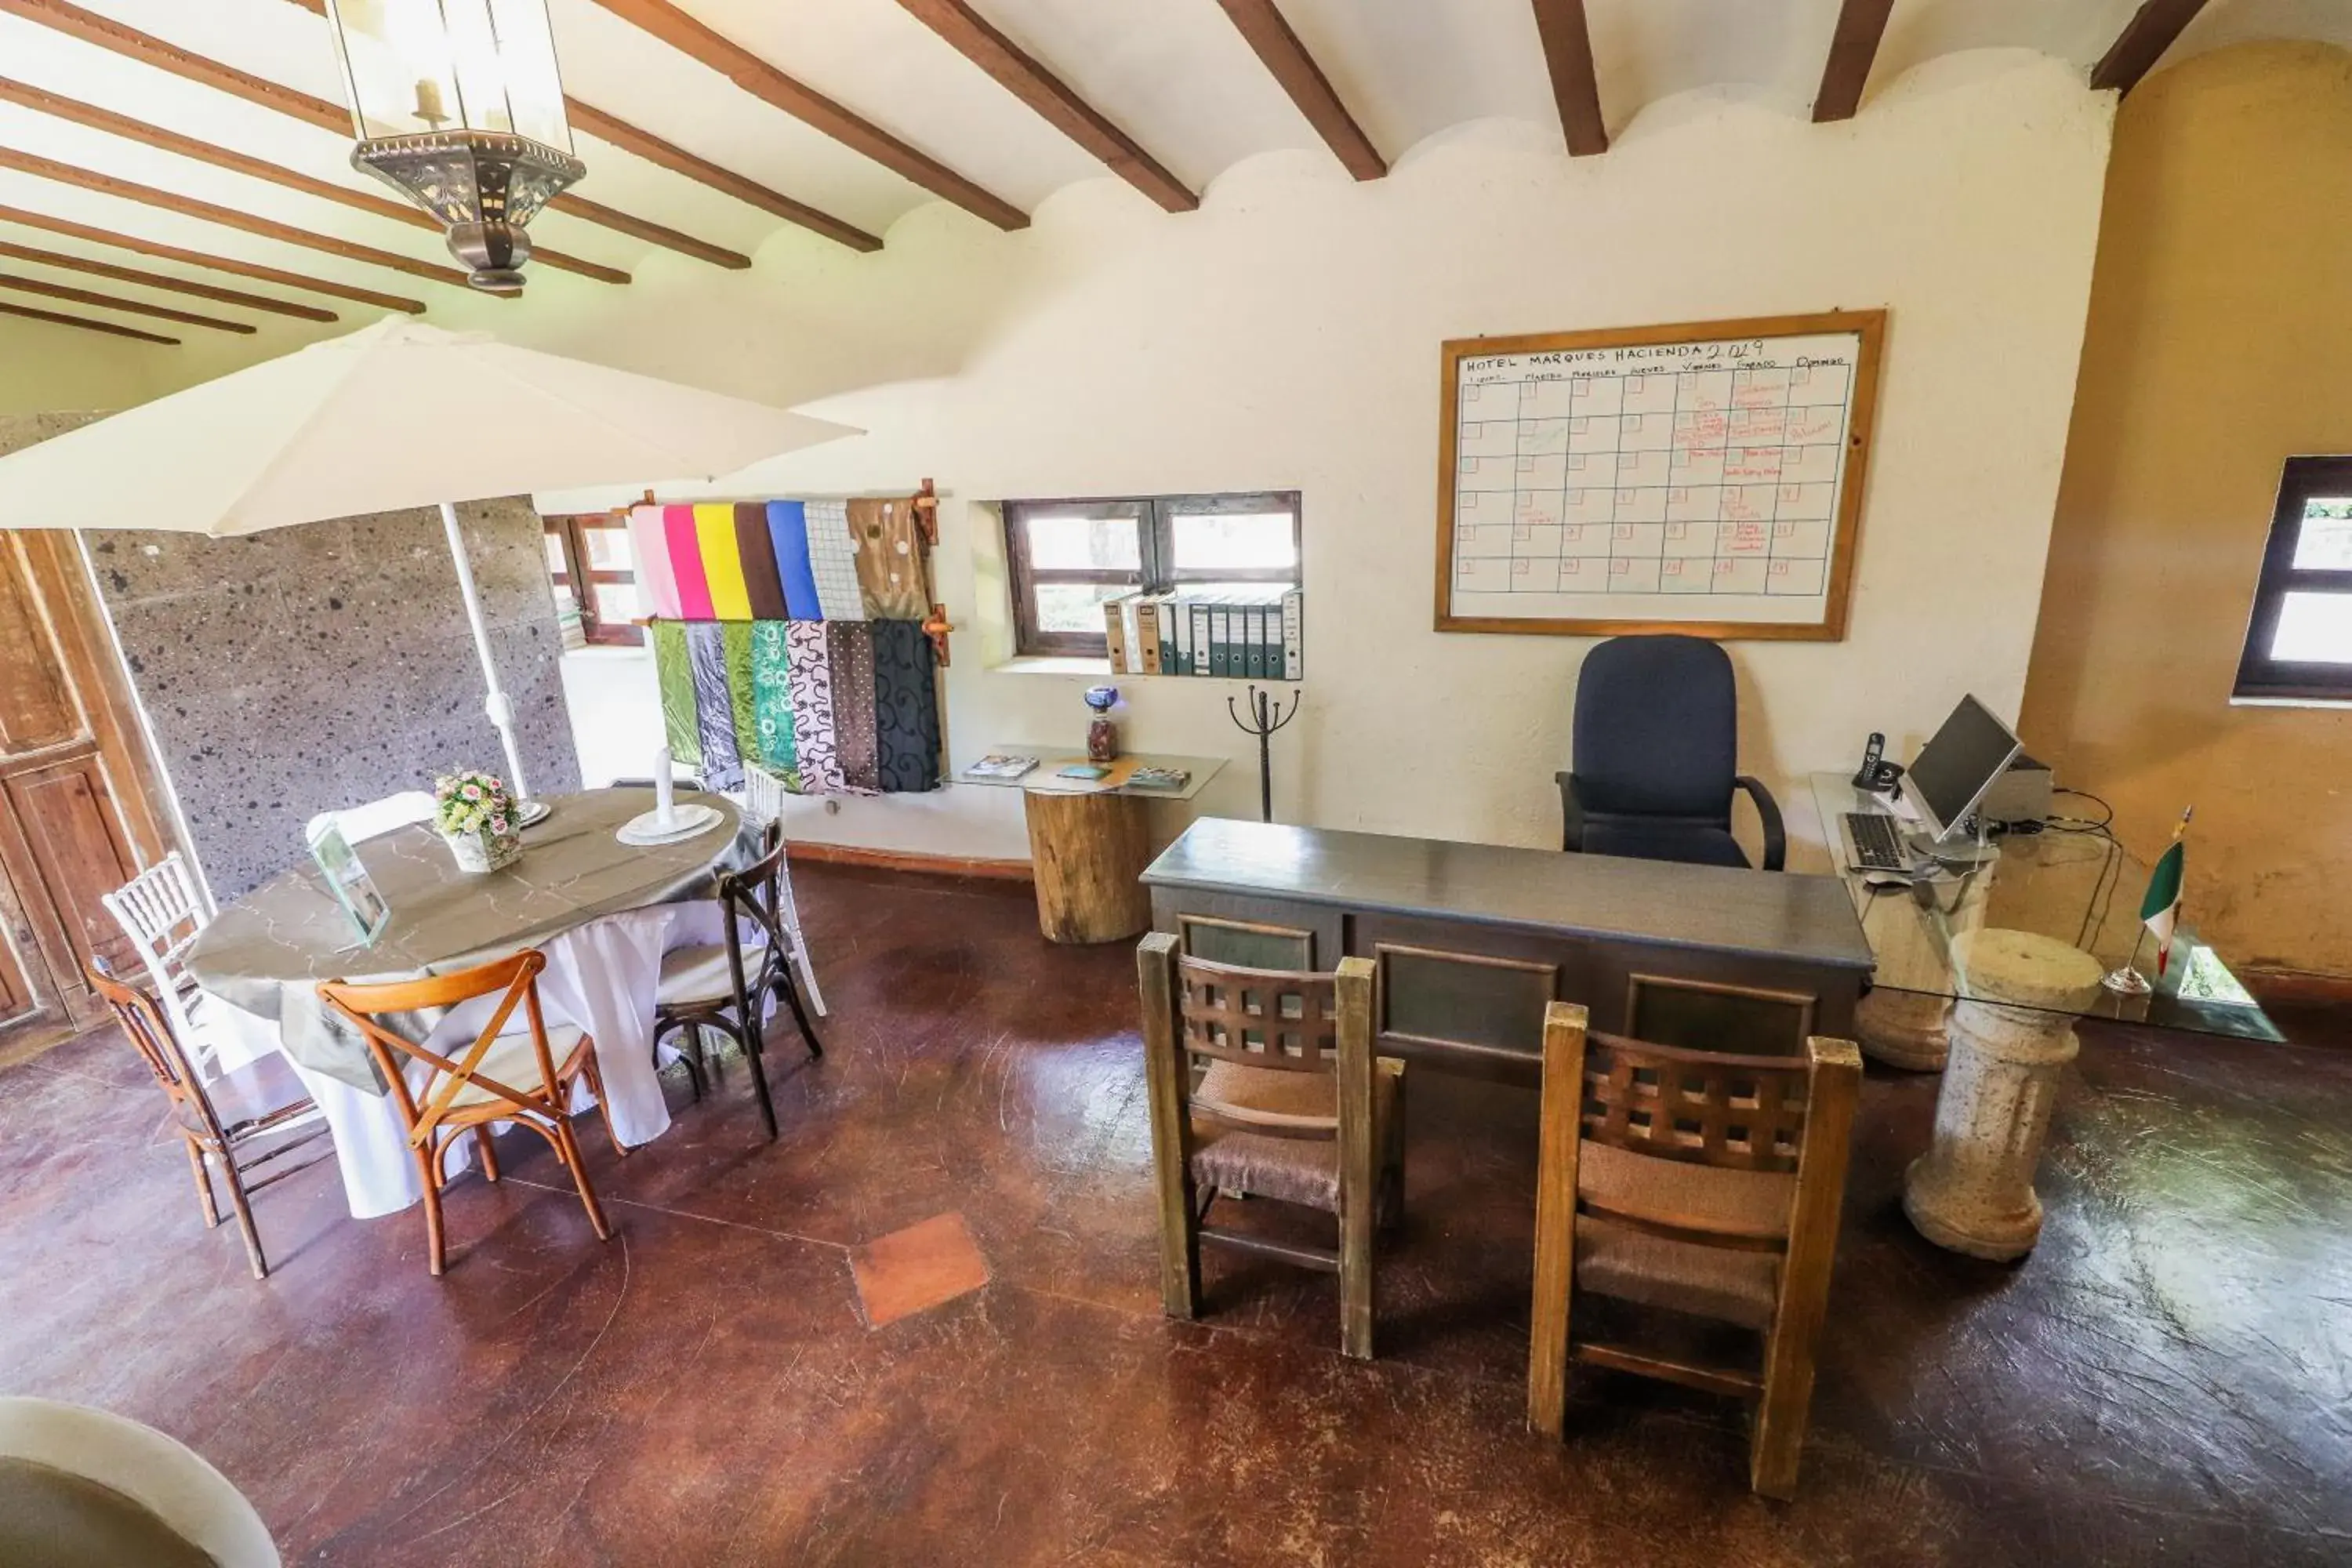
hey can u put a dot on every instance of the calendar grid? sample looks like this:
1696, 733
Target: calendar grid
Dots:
1601, 478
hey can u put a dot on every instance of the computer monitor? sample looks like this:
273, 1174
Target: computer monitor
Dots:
1957, 765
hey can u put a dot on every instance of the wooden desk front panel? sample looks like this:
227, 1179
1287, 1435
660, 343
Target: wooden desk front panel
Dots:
1468, 996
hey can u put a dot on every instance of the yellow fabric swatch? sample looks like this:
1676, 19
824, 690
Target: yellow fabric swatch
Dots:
722, 561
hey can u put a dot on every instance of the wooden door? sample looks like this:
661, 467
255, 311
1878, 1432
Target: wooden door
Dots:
77, 788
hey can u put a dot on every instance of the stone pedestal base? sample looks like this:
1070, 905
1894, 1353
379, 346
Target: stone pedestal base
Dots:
1972, 1191
1904, 1029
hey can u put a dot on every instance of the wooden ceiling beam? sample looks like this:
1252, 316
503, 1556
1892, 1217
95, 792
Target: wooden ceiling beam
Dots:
1265, 30
772, 86
2142, 43
229, 264
87, 325
132, 44
1853, 46
628, 138
1568, 56
115, 302
26, 96
97, 268
971, 34
227, 217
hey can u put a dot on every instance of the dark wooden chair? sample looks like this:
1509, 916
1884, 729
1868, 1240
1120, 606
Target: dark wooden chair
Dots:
525, 1078
1705, 1185
260, 1106
725, 986
1290, 1104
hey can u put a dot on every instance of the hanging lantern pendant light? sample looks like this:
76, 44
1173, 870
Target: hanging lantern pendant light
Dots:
458, 104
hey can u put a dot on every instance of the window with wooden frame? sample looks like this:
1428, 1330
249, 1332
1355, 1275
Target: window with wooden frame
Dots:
590, 562
2299, 637
1068, 557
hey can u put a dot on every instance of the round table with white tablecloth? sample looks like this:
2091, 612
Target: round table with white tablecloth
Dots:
603, 911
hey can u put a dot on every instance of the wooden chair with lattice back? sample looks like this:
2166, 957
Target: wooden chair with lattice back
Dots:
1705, 1185
240, 1120
524, 1079
1289, 1103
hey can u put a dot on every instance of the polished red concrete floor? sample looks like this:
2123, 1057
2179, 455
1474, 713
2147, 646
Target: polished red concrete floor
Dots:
2164, 1381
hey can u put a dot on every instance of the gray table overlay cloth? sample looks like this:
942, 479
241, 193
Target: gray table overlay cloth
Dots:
266, 951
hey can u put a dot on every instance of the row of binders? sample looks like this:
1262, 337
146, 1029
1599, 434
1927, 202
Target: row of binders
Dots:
1251, 633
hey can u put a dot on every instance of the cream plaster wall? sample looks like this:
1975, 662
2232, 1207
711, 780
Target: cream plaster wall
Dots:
1286, 337
2219, 344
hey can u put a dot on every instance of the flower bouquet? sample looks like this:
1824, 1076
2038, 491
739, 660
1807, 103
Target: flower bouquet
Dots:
477, 818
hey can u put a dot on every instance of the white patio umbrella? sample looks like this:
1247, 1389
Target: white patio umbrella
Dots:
393, 416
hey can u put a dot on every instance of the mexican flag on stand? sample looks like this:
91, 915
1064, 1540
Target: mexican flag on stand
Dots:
2161, 905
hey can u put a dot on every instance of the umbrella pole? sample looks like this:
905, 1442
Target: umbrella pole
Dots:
495, 702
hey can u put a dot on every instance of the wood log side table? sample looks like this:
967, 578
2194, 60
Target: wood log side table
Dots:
2012, 1034
1089, 839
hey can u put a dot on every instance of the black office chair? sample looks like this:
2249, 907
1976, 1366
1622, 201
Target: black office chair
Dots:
1657, 739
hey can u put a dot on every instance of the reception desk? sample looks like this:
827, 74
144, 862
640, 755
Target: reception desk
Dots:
1472, 939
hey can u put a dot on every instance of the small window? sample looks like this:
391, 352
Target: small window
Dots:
2299, 637
1069, 556
595, 578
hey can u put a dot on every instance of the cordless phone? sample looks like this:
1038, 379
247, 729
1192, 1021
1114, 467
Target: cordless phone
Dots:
1876, 773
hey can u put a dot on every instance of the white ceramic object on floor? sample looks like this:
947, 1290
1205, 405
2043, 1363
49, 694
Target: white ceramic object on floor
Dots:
646, 829
161, 1474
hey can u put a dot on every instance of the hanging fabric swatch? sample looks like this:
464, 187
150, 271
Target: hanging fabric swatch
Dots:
714, 706
674, 672
851, 652
771, 698
788, 531
889, 560
741, 695
686, 563
812, 722
906, 706
833, 561
762, 584
649, 545
722, 561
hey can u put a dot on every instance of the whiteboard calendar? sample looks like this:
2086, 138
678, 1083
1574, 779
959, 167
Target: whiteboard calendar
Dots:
1704, 477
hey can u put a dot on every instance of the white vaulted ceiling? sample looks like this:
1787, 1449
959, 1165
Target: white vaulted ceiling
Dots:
1176, 75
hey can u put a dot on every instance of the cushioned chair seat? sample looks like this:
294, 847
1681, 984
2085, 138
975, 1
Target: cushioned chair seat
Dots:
255, 1092
1615, 1260
699, 974
1295, 1170
1680, 1276
514, 1062
1646, 841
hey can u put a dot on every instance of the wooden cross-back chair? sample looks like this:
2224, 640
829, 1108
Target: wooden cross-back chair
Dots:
1289, 1104
725, 986
1702, 1183
524, 1077
220, 1122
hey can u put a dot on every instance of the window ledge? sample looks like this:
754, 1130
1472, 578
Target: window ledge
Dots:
2291, 702
1051, 664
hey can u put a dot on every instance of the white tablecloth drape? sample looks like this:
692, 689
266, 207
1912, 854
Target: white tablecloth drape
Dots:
600, 977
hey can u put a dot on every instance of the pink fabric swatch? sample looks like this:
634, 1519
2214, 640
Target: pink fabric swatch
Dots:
649, 543
686, 563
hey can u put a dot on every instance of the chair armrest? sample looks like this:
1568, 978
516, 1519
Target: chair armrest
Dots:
1571, 813
1776, 836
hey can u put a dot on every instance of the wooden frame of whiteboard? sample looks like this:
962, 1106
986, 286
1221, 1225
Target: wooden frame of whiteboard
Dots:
1870, 325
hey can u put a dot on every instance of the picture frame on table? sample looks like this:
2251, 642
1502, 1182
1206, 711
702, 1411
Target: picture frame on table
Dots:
348, 879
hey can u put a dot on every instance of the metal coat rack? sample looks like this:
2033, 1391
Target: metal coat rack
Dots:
1266, 716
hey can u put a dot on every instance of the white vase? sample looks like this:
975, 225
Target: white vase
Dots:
484, 851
